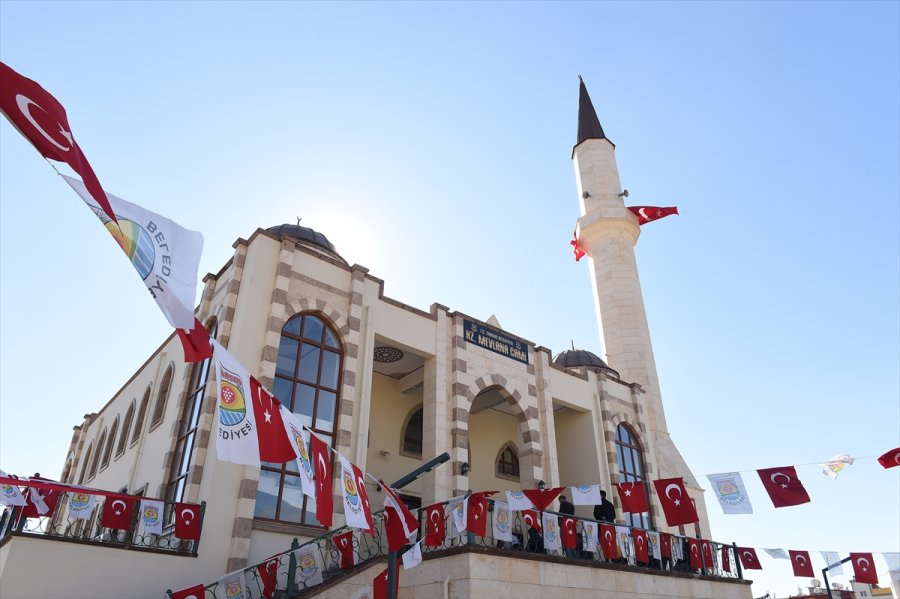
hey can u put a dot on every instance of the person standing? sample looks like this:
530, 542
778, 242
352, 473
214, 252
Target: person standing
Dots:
606, 511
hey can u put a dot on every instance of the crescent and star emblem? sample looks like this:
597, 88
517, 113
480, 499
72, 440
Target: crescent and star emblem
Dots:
640, 541
860, 562
677, 488
774, 479
643, 214
693, 549
190, 515
321, 462
25, 104
748, 555
118, 511
434, 518
608, 536
801, 560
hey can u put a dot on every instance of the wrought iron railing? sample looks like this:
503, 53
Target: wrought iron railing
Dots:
61, 525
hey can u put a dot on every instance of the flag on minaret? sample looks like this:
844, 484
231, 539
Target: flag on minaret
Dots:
576, 247
648, 214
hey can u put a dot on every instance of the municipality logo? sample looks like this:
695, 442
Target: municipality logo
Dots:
307, 564
80, 501
351, 492
502, 521
233, 409
728, 491
150, 515
301, 450
137, 244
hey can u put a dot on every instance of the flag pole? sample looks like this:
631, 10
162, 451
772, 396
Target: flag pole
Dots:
825, 573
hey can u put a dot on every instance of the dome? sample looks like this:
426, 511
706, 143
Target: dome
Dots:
576, 358
307, 235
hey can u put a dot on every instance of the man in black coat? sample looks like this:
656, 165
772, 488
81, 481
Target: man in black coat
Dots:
606, 511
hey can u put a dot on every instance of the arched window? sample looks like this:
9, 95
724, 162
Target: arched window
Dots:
631, 469
142, 413
189, 425
84, 466
109, 445
159, 410
307, 380
96, 461
67, 471
411, 446
126, 428
508, 462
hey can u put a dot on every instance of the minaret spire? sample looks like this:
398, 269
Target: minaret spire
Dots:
588, 124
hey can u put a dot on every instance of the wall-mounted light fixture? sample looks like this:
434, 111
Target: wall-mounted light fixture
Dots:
464, 469
541, 485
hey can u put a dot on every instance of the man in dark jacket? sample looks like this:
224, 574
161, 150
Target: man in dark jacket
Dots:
606, 511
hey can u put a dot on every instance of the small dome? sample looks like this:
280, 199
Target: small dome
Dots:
576, 358
305, 234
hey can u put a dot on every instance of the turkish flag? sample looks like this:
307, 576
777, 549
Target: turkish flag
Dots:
676, 503
576, 247
274, 443
40, 502
268, 576
435, 526
748, 558
195, 343
541, 498
364, 497
665, 544
864, 568
783, 486
726, 562
43, 121
633, 497
117, 512
608, 542
195, 592
569, 536
801, 563
706, 551
380, 589
532, 519
344, 544
641, 546
694, 552
476, 521
391, 498
187, 521
890, 458
647, 214
322, 466
393, 528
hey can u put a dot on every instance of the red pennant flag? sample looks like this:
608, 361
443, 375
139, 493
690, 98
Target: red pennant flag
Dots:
726, 562
117, 513
569, 536
274, 444
694, 552
676, 503
268, 576
187, 521
195, 343
576, 247
801, 563
43, 121
608, 541
890, 459
436, 526
665, 544
364, 498
322, 465
864, 568
393, 528
783, 486
380, 589
476, 514
533, 520
641, 547
40, 502
344, 544
633, 497
195, 592
647, 214
706, 551
541, 498
748, 558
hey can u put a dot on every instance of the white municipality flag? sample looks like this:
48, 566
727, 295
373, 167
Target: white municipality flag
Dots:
152, 515
729, 489
81, 505
459, 509
586, 495
834, 466
623, 537
299, 436
309, 566
550, 524
518, 501
777, 553
590, 533
502, 522
11, 495
233, 585
832, 557
236, 439
356, 508
165, 254
412, 557
655, 549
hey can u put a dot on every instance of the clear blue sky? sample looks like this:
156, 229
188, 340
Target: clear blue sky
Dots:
432, 142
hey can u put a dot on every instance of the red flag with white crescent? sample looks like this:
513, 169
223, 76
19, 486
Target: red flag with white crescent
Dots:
117, 513
391, 498
187, 521
344, 544
274, 443
706, 551
322, 465
801, 563
633, 497
608, 541
783, 486
569, 536
641, 546
476, 521
268, 575
576, 247
393, 528
436, 525
890, 459
42, 120
748, 558
648, 214
380, 588
198, 591
40, 502
864, 568
694, 551
541, 498
675, 501
665, 544
195, 343
726, 562
532, 519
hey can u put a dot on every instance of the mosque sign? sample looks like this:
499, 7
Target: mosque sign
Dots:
495, 341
